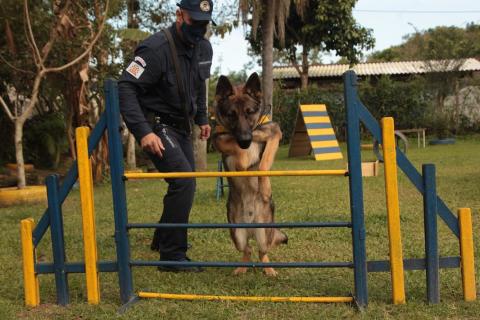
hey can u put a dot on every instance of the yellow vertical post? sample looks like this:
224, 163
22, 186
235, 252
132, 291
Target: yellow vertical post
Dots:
466, 253
88, 215
393, 211
30, 280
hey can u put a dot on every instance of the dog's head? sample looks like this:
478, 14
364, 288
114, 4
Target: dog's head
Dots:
238, 108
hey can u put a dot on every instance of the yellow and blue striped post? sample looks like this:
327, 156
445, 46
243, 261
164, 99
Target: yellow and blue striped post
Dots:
393, 210
320, 131
466, 253
88, 215
30, 280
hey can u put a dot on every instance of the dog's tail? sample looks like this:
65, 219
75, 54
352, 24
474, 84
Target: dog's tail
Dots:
279, 237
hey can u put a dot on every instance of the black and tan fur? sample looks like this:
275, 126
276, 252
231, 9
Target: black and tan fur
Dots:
247, 145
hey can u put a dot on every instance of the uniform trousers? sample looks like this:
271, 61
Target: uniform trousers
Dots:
177, 203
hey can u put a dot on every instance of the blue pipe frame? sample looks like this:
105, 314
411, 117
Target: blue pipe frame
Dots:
356, 114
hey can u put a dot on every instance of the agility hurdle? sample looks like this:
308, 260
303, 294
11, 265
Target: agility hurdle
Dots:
356, 113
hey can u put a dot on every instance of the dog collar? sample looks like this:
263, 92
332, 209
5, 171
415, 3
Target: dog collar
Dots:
221, 129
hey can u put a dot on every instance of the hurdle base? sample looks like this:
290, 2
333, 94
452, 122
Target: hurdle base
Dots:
172, 296
128, 305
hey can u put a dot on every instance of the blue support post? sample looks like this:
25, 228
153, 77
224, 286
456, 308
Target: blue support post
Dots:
58, 243
115, 152
431, 241
356, 191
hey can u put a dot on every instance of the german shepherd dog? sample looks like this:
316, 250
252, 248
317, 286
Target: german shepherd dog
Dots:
247, 144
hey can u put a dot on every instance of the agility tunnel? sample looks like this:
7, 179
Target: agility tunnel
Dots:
356, 113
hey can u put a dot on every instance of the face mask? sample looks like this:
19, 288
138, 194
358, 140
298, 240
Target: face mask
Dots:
193, 33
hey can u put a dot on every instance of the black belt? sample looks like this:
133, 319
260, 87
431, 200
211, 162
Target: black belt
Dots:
176, 122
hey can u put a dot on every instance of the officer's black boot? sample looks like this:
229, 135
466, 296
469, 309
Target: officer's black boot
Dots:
185, 268
155, 245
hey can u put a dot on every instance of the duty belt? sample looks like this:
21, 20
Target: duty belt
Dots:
156, 118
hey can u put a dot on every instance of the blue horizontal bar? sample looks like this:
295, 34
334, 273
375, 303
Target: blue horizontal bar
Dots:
327, 137
318, 126
240, 225
315, 114
413, 264
76, 267
215, 264
326, 150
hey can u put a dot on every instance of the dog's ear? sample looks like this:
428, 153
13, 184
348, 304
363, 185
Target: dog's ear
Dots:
224, 87
253, 87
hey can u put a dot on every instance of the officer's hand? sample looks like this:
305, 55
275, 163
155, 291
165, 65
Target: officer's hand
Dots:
205, 131
153, 144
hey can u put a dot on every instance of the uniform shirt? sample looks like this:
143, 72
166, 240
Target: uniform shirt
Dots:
149, 82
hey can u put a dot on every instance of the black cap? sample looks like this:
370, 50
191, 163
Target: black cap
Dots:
198, 9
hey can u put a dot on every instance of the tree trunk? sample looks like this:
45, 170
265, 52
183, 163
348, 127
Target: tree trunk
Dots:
21, 182
132, 23
268, 26
304, 75
199, 150
131, 160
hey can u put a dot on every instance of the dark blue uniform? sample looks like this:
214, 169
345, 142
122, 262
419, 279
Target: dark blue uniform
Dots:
149, 102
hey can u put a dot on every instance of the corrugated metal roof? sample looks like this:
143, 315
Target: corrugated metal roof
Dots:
380, 68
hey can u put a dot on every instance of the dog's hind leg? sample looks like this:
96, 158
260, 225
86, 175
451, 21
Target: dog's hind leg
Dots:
268, 271
262, 242
240, 238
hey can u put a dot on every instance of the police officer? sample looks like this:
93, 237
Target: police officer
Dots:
155, 112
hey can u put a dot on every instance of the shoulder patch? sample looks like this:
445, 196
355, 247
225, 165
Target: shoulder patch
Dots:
141, 61
135, 69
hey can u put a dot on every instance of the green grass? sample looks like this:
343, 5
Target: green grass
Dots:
297, 199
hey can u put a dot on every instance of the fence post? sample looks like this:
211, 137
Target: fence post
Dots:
466, 254
30, 280
393, 210
88, 215
431, 241
115, 153
356, 189
58, 242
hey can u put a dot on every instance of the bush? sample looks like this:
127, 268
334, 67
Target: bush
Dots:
44, 140
406, 101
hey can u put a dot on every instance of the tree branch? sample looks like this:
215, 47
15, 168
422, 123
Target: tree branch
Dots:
13, 67
30, 36
7, 111
89, 48
54, 33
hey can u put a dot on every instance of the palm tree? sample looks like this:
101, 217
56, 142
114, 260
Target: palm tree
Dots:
267, 14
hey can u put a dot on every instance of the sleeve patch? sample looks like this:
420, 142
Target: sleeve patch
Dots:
142, 62
135, 69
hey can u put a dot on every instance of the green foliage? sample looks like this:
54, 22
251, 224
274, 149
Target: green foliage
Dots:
437, 43
408, 102
45, 140
133, 34
324, 26
7, 151
405, 101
